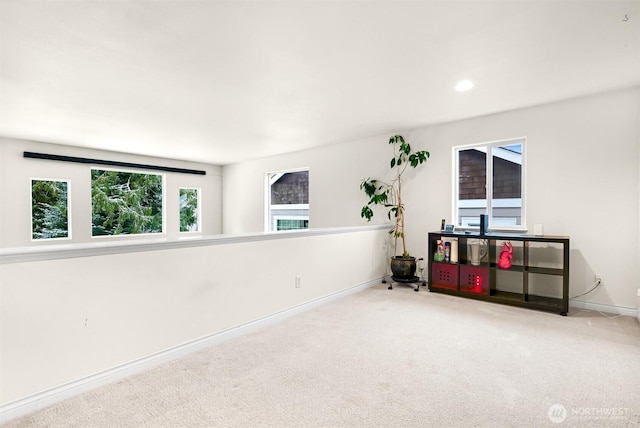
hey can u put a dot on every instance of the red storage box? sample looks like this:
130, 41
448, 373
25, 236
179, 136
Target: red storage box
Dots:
474, 279
444, 275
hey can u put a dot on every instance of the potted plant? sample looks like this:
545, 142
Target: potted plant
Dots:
389, 194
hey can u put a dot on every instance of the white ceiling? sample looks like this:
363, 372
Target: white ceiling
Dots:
219, 82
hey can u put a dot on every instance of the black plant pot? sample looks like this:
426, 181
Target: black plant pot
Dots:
403, 268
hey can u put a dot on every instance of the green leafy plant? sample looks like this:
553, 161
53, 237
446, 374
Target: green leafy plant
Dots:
125, 203
188, 210
49, 209
389, 194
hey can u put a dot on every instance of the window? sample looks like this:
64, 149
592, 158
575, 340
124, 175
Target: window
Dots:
126, 203
288, 200
189, 210
49, 209
490, 180
291, 223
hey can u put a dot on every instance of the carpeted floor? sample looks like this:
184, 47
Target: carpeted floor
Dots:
383, 358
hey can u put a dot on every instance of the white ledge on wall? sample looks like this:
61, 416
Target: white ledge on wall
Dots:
68, 251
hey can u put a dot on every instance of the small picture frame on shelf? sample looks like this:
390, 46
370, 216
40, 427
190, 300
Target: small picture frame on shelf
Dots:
449, 228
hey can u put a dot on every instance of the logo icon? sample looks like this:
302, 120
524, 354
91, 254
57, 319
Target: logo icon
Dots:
557, 413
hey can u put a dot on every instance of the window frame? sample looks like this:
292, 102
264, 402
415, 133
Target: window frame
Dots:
199, 210
489, 147
69, 211
270, 226
288, 217
129, 235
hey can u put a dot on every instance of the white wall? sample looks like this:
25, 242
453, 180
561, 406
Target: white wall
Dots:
64, 319
61, 320
582, 178
334, 177
15, 191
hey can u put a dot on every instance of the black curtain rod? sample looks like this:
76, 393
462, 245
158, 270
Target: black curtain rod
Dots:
46, 156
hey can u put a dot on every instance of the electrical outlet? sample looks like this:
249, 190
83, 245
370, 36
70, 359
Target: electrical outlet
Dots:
600, 278
298, 281
537, 230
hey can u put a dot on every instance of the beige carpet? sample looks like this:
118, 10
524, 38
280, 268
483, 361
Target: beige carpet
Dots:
383, 358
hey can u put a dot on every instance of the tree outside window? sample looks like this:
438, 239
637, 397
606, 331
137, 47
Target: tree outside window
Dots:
125, 203
189, 210
49, 209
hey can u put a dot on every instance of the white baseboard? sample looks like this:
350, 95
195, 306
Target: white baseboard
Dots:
40, 400
610, 309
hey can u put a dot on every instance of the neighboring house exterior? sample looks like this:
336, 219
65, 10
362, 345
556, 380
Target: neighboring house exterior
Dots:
289, 200
472, 192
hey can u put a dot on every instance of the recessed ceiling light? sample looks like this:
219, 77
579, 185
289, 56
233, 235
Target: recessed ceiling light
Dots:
464, 85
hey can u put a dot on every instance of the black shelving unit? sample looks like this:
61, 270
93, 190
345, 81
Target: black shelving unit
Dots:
539, 263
